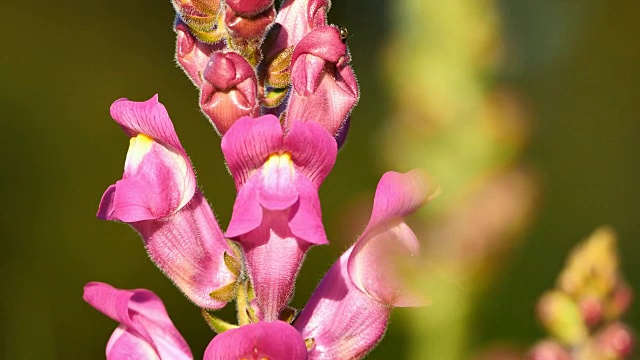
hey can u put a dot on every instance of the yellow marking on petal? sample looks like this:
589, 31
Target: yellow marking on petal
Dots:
139, 146
278, 160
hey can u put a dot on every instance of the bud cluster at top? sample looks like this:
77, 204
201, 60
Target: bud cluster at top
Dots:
246, 59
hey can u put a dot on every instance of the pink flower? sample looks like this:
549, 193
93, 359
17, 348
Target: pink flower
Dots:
277, 215
349, 311
157, 196
145, 330
325, 89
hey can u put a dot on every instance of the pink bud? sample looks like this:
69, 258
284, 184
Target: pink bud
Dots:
199, 14
325, 89
592, 310
191, 54
548, 350
229, 90
615, 341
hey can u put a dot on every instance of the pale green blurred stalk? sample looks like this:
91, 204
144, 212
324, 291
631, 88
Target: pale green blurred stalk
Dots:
452, 117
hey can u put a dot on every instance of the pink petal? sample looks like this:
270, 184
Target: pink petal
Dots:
146, 331
247, 211
149, 118
262, 340
313, 150
343, 322
154, 189
273, 257
398, 195
189, 248
191, 54
386, 249
277, 189
305, 217
248, 144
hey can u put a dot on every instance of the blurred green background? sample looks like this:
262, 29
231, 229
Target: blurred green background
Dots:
63, 63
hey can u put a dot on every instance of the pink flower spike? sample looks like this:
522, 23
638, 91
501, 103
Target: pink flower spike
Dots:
388, 242
157, 196
343, 322
325, 89
158, 178
262, 340
277, 215
145, 331
229, 90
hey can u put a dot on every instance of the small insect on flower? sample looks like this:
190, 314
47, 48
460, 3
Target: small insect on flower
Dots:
344, 33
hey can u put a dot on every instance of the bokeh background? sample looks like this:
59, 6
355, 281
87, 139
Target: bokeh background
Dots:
573, 65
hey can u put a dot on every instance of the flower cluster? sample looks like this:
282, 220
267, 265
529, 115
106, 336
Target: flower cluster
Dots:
278, 88
583, 314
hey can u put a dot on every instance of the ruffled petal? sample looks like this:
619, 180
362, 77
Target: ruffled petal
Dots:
384, 254
313, 150
146, 331
189, 248
249, 143
147, 117
398, 195
343, 322
262, 340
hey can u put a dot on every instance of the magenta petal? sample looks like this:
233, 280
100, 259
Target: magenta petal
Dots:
277, 189
247, 212
262, 340
306, 216
248, 144
343, 322
146, 331
398, 195
313, 150
155, 188
297, 18
273, 257
189, 248
149, 118
388, 246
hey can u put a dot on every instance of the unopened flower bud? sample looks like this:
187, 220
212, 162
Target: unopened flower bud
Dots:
198, 14
548, 350
248, 8
615, 342
228, 91
592, 310
192, 54
325, 89
562, 318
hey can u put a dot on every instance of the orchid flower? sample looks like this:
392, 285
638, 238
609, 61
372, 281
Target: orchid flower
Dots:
158, 197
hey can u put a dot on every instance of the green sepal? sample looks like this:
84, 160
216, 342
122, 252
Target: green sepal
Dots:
274, 97
242, 304
216, 324
278, 72
225, 293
